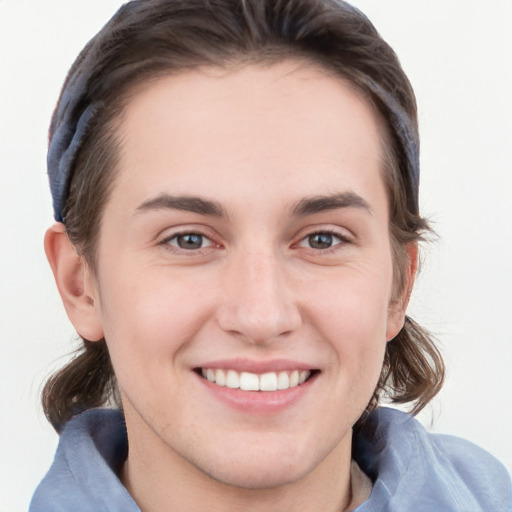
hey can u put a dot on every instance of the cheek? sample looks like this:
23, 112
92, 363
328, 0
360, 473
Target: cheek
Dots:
351, 312
358, 335
148, 322
354, 299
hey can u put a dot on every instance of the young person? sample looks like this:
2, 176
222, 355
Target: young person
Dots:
235, 186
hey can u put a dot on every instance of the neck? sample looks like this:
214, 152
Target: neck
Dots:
160, 479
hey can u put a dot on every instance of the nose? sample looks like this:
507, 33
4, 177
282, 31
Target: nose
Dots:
258, 305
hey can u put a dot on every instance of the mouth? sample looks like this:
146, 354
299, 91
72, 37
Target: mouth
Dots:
247, 381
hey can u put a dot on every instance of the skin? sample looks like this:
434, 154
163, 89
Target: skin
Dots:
259, 142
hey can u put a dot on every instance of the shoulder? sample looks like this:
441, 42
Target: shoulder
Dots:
480, 472
411, 467
83, 476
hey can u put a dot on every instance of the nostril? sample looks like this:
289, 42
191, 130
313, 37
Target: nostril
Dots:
259, 324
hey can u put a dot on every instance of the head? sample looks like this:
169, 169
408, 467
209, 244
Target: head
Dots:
155, 50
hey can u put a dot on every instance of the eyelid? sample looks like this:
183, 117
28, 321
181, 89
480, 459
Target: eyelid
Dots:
171, 233
177, 235
330, 233
338, 231
345, 237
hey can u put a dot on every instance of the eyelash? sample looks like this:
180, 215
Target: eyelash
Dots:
342, 240
174, 247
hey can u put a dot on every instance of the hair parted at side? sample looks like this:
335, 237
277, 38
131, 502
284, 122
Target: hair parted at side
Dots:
147, 39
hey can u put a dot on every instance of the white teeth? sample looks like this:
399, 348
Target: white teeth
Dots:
271, 381
249, 382
283, 381
232, 379
220, 377
268, 382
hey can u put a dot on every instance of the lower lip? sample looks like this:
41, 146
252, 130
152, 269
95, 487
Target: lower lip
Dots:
259, 402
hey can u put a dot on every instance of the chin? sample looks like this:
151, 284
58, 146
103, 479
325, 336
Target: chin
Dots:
264, 463
258, 477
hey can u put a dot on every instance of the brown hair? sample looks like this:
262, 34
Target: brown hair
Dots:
150, 38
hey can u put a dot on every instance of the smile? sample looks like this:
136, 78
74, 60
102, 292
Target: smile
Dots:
246, 381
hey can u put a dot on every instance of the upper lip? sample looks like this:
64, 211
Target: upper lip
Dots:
255, 366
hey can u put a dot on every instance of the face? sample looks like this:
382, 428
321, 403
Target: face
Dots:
244, 275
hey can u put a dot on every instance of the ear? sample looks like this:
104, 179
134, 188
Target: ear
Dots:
74, 282
398, 307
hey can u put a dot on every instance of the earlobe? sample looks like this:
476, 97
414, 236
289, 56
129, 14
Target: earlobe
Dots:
74, 283
397, 309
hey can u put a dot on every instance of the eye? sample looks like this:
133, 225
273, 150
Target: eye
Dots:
189, 241
322, 240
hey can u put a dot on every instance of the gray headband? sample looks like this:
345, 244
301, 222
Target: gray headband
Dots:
75, 111
71, 121
63, 148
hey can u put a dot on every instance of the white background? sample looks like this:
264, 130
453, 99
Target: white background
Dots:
458, 55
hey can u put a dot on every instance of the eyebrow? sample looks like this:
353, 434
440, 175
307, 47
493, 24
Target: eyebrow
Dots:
184, 203
306, 206
317, 204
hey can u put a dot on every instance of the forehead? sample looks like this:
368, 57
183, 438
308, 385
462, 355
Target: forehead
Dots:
290, 125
